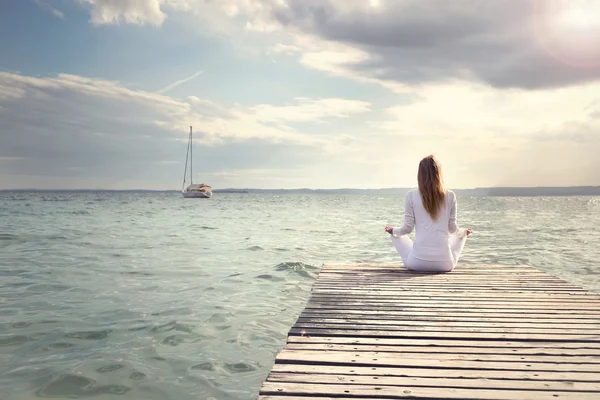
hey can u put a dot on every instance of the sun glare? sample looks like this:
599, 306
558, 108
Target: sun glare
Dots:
569, 30
580, 17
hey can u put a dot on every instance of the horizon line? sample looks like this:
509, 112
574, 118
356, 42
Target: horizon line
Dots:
299, 188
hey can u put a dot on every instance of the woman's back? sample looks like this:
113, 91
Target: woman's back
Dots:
432, 237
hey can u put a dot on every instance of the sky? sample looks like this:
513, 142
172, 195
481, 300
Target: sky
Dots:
298, 93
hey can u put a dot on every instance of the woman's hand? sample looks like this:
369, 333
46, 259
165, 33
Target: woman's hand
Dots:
389, 229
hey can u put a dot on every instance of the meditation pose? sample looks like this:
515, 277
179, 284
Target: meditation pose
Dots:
430, 209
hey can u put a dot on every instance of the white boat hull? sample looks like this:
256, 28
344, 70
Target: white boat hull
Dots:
197, 195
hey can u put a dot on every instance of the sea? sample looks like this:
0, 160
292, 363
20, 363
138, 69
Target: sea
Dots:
147, 295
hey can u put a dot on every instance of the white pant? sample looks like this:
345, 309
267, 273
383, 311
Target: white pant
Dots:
404, 246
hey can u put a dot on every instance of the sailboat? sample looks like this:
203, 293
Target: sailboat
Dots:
194, 190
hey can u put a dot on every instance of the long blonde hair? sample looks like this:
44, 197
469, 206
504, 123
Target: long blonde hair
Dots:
431, 185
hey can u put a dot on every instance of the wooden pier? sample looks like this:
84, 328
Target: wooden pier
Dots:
479, 332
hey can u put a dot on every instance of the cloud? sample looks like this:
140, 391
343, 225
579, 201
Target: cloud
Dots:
129, 11
177, 83
486, 136
57, 13
508, 44
72, 127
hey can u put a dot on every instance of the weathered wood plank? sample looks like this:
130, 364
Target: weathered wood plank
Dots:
376, 391
446, 327
443, 361
483, 317
499, 310
453, 288
457, 295
435, 343
437, 382
454, 303
522, 279
448, 354
342, 370
530, 327
548, 352
422, 333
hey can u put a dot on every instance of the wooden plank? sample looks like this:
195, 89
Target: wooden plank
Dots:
462, 268
462, 273
550, 291
593, 334
539, 289
471, 295
457, 295
448, 334
455, 302
476, 292
437, 382
592, 354
487, 281
435, 343
366, 285
454, 353
444, 361
342, 370
286, 397
542, 290
440, 323
433, 316
399, 392
522, 279
409, 277
399, 274
499, 309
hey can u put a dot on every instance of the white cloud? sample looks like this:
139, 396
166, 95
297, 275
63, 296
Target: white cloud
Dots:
155, 12
128, 11
308, 110
486, 136
57, 13
179, 82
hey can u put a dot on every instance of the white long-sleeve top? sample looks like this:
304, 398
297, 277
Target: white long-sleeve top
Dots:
432, 237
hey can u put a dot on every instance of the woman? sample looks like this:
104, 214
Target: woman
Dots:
439, 241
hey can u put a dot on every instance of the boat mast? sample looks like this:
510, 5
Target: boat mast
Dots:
187, 154
191, 150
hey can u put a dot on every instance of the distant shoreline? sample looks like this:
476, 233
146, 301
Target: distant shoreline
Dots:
491, 191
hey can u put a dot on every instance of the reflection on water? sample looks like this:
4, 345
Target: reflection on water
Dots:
152, 296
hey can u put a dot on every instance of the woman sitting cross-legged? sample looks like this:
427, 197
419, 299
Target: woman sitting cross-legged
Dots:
432, 210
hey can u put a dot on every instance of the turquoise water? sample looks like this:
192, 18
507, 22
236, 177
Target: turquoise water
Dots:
152, 296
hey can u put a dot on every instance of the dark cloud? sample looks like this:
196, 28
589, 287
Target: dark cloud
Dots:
504, 43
